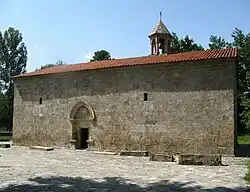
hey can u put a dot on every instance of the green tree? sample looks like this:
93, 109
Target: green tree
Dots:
101, 55
242, 42
4, 111
184, 44
59, 62
175, 44
13, 56
218, 43
47, 66
187, 44
13, 61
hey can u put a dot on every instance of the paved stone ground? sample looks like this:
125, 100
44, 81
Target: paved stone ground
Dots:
22, 169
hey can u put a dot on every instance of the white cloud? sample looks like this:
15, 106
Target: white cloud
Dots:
89, 55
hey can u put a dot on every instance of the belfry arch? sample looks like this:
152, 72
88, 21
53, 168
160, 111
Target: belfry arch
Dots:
81, 117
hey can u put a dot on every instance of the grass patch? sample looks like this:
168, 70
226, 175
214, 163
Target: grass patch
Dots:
244, 139
5, 138
247, 176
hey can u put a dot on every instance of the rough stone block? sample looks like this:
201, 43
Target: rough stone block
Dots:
187, 159
161, 157
104, 153
91, 143
5, 145
134, 153
42, 148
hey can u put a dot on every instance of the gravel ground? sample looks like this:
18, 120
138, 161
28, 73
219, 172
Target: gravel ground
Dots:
22, 169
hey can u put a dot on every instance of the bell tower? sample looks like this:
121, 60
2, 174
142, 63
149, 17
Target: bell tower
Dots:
160, 39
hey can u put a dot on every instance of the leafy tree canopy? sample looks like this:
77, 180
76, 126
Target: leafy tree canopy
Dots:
101, 55
184, 44
59, 62
13, 61
13, 56
218, 43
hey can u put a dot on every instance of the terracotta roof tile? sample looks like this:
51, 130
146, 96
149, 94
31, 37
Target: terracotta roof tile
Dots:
146, 60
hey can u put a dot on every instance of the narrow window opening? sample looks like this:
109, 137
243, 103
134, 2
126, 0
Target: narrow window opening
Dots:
145, 96
41, 101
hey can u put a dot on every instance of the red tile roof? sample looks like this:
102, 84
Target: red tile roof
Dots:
146, 60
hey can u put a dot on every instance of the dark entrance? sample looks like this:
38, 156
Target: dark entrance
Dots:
84, 138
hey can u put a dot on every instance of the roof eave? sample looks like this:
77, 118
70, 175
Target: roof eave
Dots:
153, 34
143, 64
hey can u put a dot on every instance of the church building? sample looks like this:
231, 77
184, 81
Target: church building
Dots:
162, 103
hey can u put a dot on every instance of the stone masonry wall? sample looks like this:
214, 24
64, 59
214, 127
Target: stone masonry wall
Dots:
190, 107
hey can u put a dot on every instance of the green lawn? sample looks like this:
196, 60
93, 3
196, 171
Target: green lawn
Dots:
5, 138
244, 139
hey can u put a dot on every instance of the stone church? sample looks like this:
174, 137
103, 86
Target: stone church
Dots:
170, 103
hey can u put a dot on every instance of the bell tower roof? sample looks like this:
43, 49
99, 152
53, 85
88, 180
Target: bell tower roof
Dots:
160, 39
160, 28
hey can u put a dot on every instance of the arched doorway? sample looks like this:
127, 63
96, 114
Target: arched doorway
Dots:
81, 117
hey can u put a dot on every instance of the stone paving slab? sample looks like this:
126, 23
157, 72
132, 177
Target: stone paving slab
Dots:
6, 142
41, 148
104, 153
22, 169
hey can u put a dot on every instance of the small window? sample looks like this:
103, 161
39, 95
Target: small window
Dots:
145, 96
41, 101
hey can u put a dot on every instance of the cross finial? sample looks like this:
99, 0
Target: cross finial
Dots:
160, 15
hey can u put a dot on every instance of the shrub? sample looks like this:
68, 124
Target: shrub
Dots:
247, 176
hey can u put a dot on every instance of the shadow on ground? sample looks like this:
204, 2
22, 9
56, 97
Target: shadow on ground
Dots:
111, 184
243, 150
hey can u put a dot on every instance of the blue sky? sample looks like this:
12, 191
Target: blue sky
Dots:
70, 30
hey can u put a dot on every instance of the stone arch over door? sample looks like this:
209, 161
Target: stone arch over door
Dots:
81, 117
